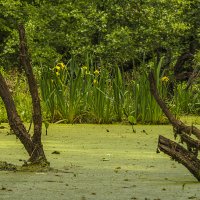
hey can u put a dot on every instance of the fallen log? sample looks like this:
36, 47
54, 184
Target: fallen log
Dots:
192, 144
180, 154
187, 157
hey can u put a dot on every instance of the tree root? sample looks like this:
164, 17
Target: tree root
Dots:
42, 166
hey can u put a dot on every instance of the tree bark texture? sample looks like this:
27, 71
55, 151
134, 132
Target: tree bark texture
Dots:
33, 88
179, 125
187, 157
181, 155
33, 145
180, 73
25, 60
13, 117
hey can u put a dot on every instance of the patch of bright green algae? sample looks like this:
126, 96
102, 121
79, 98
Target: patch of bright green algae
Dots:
101, 162
195, 120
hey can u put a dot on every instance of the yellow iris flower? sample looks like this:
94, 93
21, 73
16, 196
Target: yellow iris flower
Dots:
164, 79
96, 72
84, 68
57, 67
95, 81
57, 73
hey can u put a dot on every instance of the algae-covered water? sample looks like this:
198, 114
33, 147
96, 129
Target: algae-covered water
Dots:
98, 162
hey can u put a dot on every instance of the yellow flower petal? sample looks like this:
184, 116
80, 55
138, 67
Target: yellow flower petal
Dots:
57, 67
96, 72
165, 79
57, 73
62, 65
84, 68
95, 81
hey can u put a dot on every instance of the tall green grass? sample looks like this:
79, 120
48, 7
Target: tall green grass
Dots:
100, 98
146, 108
185, 101
118, 93
63, 89
18, 87
87, 93
77, 93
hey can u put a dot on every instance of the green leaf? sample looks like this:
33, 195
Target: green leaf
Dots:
131, 119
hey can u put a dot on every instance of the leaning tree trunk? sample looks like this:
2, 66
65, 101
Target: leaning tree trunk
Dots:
179, 125
37, 115
13, 117
186, 156
33, 145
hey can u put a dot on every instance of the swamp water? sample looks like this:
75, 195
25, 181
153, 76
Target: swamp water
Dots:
100, 162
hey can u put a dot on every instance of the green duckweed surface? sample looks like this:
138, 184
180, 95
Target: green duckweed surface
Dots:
98, 162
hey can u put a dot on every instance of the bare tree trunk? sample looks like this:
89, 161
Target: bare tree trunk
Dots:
37, 115
35, 151
33, 145
179, 125
187, 157
13, 117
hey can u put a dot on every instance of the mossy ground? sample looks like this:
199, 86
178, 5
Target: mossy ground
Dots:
100, 162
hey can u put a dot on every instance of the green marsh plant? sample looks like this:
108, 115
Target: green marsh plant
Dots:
63, 89
74, 93
118, 93
17, 84
146, 108
87, 93
101, 96
185, 101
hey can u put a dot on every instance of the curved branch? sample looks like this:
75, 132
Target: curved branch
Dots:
179, 125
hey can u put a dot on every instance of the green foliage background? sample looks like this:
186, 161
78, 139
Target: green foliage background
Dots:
125, 33
113, 31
